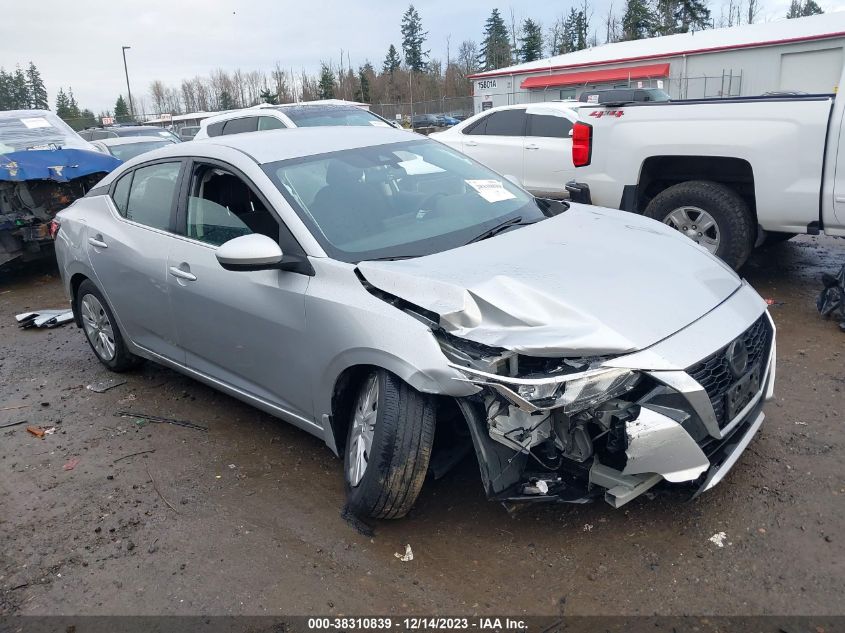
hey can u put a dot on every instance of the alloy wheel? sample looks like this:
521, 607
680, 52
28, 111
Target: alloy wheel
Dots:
363, 430
98, 327
696, 224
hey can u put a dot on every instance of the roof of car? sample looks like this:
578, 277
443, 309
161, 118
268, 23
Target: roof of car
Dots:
272, 145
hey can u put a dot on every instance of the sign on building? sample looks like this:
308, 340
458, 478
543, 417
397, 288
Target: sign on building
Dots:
486, 84
108, 120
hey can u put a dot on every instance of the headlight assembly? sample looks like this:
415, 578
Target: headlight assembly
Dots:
573, 392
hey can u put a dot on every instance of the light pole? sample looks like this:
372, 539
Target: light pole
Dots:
128, 89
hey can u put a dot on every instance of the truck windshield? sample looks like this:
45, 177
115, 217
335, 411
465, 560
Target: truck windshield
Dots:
399, 200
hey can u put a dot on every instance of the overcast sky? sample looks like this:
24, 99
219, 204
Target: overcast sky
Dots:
79, 44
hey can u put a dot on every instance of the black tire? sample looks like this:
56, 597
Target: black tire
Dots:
122, 359
400, 450
730, 212
776, 237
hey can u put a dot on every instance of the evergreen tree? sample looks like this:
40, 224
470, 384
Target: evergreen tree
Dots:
325, 89
413, 38
226, 102
5, 90
680, 16
496, 46
62, 105
121, 110
638, 22
531, 42
803, 8
73, 107
37, 90
269, 97
573, 33
20, 90
392, 61
365, 73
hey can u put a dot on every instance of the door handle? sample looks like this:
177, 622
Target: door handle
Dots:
182, 274
839, 199
532, 147
97, 241
470, 143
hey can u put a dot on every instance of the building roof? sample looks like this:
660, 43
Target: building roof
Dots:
816, 27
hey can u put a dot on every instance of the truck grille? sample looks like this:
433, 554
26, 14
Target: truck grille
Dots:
715, 375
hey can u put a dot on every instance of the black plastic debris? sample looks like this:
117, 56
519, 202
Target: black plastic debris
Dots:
831, 300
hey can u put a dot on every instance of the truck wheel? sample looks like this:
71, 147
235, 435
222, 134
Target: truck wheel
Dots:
710, 214
388, 445
101, 329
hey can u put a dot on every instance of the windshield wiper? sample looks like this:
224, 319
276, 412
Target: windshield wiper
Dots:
389, 258
497, 229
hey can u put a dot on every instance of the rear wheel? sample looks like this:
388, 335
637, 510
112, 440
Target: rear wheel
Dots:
710, 214
101, 329
388, 446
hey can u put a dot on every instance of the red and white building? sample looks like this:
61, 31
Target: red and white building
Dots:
804, 54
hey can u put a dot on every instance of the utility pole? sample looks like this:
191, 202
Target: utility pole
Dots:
128, 89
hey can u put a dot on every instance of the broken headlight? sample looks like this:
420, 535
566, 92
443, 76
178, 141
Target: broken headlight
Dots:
573, 392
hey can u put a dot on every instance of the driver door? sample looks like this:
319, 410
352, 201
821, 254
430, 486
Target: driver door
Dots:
244, 329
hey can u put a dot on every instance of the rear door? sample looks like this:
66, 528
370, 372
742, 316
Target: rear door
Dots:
547, 158
129, 249
497, 141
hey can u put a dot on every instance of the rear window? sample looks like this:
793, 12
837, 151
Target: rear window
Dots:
315, 116
240, 126
131, 150
549, 125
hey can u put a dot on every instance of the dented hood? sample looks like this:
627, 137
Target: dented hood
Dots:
588, 281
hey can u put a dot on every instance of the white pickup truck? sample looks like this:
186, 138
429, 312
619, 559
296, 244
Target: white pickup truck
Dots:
729, 173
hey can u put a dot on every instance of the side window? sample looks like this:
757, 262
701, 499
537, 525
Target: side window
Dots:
121, 193
151, 195
506, 123
221, 207
549, 125
239, 126
478, 127
215, 129
269, 123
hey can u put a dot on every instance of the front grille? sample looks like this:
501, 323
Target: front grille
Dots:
714, 373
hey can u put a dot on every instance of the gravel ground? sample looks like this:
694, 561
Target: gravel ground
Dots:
245, 518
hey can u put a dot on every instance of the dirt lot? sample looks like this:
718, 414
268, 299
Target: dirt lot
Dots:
245, 519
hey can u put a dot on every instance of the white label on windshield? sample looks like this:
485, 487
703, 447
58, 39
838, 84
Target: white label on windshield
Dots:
37, 121
379, 124
417, 166
592, 98
491, 190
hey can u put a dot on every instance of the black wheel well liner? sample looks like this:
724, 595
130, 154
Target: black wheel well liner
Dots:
76, 281
658, 173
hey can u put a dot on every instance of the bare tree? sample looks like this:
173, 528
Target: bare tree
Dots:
752, 11
158, 93
612, 28
468, 57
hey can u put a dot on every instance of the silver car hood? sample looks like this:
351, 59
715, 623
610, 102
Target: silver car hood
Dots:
587, 282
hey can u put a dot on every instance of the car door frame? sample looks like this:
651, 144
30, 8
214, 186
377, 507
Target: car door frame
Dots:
547, 184
294, 260
117, 217
518, 139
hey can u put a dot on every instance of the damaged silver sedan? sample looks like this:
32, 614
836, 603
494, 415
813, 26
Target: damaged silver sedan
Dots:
408, 306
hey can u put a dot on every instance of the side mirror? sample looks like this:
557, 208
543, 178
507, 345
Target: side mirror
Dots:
249, 252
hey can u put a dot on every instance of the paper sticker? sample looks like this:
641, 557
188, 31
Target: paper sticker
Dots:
379, 124
37, 121
592, 98
491, 190
418, 166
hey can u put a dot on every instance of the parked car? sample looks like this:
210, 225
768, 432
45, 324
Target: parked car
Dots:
128, 147
288, 116
444, 120
188, 132
728, 173
120, 131
529, 142
624, 95
44, 166
381, 291
419, 121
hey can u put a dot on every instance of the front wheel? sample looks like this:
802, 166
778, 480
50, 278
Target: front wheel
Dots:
710, 214
388, 446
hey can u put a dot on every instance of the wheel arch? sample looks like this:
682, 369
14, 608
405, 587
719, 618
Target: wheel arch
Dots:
658, 173
74, 283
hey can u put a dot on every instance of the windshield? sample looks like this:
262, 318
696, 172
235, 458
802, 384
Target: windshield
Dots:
315, 116
36, 129
145, 131
131, 150
400, 200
